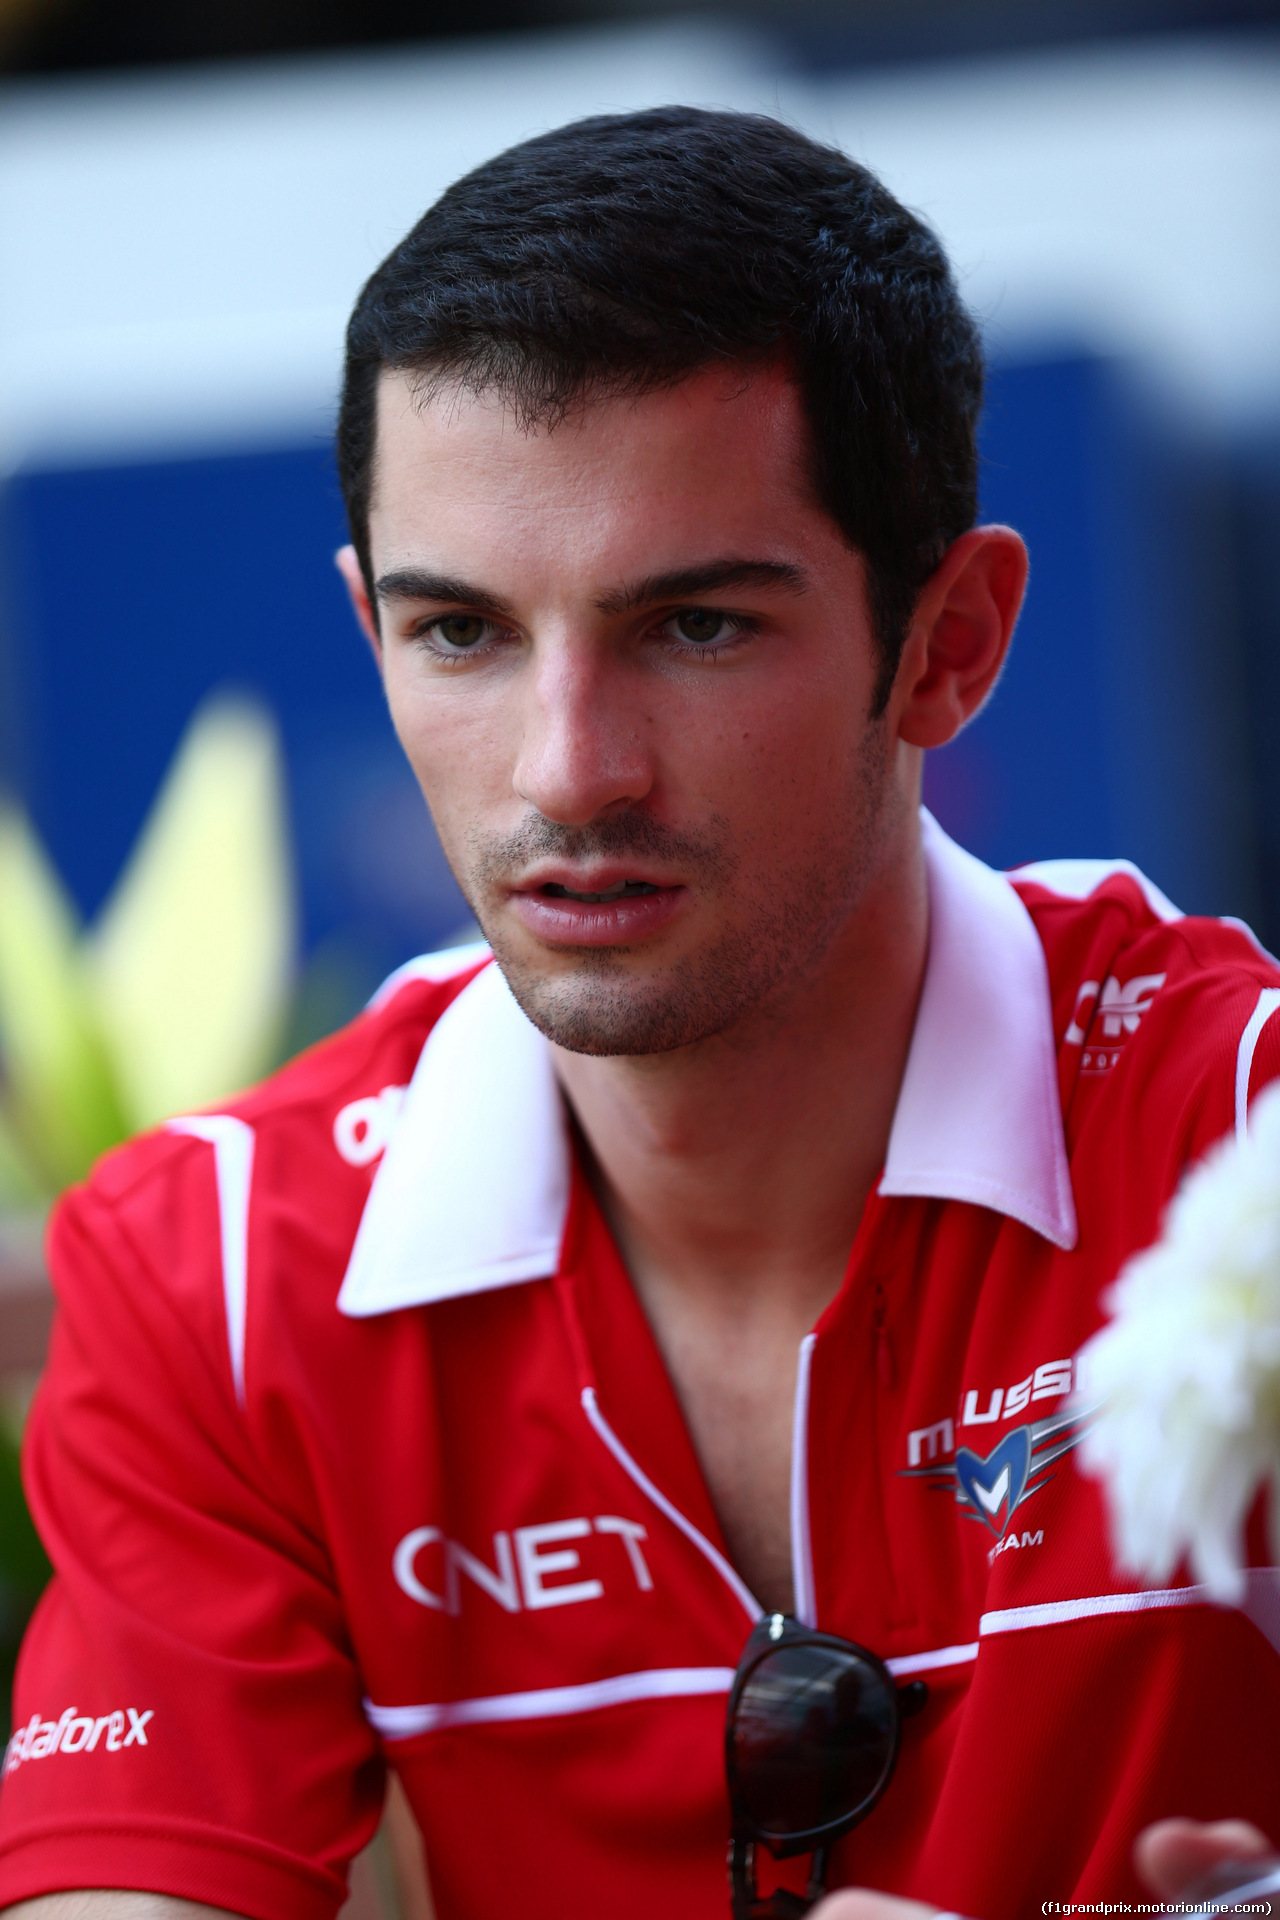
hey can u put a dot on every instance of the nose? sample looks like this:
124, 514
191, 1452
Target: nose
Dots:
583, 749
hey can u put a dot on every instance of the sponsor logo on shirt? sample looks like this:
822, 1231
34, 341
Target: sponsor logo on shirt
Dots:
74, 1732
528, 1566
990, 1487
1106, 1012
363, 1128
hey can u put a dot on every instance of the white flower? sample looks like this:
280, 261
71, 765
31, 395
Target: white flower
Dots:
1187, 1374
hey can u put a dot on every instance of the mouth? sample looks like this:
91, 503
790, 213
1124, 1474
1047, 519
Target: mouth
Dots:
614, 912
625, 890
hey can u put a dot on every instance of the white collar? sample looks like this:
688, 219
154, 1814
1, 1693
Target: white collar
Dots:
473, 1188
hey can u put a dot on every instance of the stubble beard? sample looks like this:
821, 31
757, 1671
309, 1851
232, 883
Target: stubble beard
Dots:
777, 934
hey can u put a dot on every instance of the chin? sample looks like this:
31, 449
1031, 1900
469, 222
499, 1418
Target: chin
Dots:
616, 1034
616, 1016
600, 1007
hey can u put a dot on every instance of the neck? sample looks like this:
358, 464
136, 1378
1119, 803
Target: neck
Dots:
738, 1168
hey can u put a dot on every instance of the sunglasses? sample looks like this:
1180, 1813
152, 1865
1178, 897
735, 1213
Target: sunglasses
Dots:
810, 1745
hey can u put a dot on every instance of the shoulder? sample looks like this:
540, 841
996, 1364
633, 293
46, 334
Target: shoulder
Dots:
1174, 1014
277, 1176
1105, 917
334, 1103
339, 1100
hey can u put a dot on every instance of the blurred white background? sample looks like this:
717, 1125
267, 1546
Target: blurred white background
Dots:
181, 249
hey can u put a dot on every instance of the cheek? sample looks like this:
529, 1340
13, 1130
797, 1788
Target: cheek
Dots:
428, 706
457, 745
795, 750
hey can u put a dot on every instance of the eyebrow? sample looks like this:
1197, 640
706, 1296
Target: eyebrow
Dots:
414, 583
688, 583
682, 583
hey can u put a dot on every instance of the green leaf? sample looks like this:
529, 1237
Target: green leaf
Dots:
24, 1566
21, 1186
192, 961
63, 1104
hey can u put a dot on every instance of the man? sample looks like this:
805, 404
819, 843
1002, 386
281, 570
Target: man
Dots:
465, 1396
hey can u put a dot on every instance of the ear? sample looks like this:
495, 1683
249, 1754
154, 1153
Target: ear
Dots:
348, 565
959, 635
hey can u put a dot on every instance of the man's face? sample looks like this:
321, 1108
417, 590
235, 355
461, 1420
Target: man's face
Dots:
631, 663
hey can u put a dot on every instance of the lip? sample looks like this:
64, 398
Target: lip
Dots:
563, 922
594, 879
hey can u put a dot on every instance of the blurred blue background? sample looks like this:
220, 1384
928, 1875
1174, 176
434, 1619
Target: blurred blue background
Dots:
181, 249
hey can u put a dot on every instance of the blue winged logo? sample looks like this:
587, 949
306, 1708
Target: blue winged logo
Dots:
989, 1487
994, 1486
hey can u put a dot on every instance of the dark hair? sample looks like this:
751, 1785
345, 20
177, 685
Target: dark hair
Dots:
628, 251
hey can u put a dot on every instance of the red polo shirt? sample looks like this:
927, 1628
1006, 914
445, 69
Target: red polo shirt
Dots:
355, 1445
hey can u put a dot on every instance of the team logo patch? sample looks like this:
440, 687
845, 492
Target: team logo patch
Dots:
990, 1487
994, 1486
1105, 1012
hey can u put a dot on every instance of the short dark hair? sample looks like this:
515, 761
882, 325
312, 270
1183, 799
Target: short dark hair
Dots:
628, 251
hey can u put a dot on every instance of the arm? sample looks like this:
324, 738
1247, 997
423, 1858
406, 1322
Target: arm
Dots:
193, 1604
1171, 1856
100, 1904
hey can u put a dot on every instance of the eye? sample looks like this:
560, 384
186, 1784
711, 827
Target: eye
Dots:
702, 626
460, 632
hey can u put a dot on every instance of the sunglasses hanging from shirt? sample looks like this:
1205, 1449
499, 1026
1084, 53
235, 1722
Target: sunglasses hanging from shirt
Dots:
811, 1740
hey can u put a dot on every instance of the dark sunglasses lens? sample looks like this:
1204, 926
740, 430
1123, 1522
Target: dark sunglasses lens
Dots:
812, 1739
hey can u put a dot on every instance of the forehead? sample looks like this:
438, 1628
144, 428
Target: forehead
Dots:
725, 451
